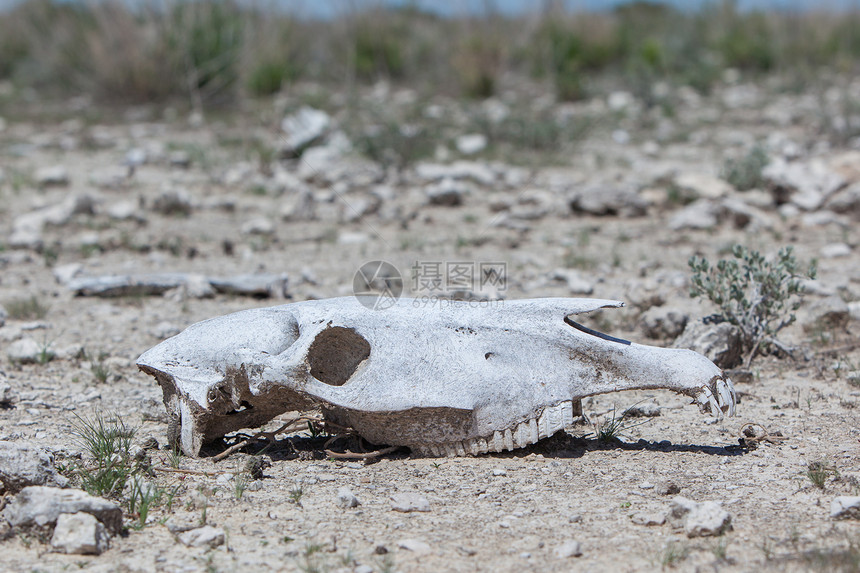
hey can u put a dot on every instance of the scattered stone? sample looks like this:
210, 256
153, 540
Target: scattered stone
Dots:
835, 250
720, 342
303, 128
298, 206
63, 274
8, 396
845, 507
825, 315
415, 546
41, 506
576, 283
499, 472
136, 156
447, 193
79, 534
27, 228
472, 143
568, 549
478, 172
608, 200
346, 499
664, 322
176, 202
854, 309
25, 351
253, 285
703, 519
126, 210
700, 215
54, 176
806, 184
409, 502
649, 519
179, 158
258, 226
164, 330
126, 285
4, 314
668, 488
702, 186
22, 465
846, 201
644, 410
206, 536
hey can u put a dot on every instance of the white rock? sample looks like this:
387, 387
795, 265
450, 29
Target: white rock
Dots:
721, 342
448, 193
478, 172
607, 199
835, 250
79, 534
304, 127
825, 314
854, 309
173, 201
258, 226
568, 549
649, 519
22, 465
661, 321
409, 502
845, 507
415, 546
298, 206
346, 499
498, 472
576, 283
126, 210
702, 214
471, 143
24, 351
136, 156
808, 183
206, 536
56, 175
41, 506
702, 185
620, 100
700, 519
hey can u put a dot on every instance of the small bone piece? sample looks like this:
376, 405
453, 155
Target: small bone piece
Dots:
451, 378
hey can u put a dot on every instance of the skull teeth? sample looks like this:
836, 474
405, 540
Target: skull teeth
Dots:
548, 422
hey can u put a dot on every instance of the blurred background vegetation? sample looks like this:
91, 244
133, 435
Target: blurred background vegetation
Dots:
216, 52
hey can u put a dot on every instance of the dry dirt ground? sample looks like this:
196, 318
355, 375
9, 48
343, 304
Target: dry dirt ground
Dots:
499, 512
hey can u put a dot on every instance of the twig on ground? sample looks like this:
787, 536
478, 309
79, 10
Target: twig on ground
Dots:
292, 425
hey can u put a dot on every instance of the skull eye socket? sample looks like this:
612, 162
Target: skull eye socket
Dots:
336, 353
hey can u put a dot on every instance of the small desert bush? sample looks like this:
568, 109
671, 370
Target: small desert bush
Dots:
757, 295
745, 173
29, 308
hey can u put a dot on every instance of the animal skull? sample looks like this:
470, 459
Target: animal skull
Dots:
450, 378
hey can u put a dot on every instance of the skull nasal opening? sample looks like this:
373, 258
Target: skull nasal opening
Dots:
336, 353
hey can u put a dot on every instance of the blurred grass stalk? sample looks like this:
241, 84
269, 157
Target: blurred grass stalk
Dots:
211, 52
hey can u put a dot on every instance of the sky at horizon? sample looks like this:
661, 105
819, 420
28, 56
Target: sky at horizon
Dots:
328, 8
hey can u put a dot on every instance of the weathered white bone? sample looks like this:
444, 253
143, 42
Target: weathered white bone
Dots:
450, 378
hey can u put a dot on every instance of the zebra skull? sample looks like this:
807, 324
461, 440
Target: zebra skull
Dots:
449, 378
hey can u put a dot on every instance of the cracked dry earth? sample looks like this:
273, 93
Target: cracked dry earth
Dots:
502, 512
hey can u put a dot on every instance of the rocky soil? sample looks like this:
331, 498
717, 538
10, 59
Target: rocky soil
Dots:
195, 217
